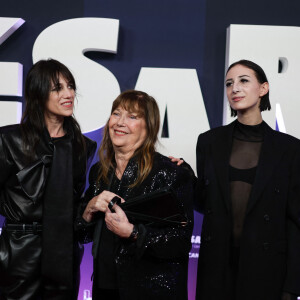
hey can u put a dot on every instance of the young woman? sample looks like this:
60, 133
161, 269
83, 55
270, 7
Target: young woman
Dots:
43, 163
249, 191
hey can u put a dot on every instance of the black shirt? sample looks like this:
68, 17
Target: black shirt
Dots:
245, 151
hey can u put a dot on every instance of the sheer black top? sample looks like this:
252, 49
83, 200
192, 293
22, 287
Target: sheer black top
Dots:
246, 146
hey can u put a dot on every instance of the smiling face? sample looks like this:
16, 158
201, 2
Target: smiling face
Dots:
127, 130
60, 103
243, 90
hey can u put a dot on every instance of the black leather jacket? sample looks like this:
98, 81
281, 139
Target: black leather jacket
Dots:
22, 186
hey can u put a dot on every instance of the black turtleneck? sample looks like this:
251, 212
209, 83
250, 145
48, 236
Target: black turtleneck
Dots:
245, 151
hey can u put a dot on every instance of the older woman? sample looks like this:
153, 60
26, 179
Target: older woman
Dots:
249, 192
137, 261
43, 162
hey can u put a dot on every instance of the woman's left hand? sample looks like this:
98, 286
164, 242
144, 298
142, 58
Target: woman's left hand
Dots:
118, 223
179, 161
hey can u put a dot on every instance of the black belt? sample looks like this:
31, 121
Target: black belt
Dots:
34, 228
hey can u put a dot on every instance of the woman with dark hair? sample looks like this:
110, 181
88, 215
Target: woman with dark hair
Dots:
134, 260
249, 192
43, 168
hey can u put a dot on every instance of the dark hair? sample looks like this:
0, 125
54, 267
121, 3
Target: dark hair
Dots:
39, 81
146, 107
260, 76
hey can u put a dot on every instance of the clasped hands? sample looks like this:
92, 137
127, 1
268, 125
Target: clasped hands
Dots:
116, 222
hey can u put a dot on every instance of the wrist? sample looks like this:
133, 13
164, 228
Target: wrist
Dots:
134, 233
87, 215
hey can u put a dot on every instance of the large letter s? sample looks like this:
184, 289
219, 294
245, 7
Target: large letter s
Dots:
67, 41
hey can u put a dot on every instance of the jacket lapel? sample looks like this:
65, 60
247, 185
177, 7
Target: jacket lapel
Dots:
221, 149
269, 157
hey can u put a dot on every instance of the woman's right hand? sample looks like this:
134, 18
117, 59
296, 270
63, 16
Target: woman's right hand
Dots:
98, 203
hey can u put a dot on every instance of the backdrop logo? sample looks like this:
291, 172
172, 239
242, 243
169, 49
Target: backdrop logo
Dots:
177, 91
196, 241
11, 76
87, 295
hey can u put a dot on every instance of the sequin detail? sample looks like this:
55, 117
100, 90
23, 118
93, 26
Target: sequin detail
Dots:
156, 263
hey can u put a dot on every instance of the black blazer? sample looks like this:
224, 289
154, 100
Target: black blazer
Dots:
270, 244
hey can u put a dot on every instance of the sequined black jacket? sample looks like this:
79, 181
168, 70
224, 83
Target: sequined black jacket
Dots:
155, 265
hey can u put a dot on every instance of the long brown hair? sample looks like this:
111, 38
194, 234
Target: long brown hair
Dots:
147, 108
